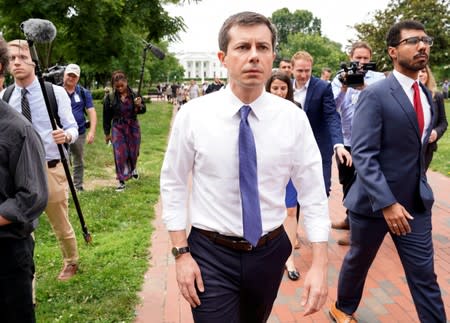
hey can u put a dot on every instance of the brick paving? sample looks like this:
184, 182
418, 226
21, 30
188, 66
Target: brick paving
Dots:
386, 296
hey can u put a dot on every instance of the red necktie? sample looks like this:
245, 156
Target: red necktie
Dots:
418, 107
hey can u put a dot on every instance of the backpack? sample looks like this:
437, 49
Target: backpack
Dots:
51, 99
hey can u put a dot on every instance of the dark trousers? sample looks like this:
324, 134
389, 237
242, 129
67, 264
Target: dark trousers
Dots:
16, 276
346, 173
416, 254
240, 286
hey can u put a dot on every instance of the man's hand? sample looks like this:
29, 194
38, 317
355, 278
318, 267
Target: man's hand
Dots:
90, 137
344, 156
433, 136
188, 275
60, 137
397, 218
315, 289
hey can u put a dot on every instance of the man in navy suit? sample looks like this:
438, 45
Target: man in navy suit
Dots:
316, 98
391, 193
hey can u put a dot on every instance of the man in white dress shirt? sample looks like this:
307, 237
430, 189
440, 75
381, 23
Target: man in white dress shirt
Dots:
224, 277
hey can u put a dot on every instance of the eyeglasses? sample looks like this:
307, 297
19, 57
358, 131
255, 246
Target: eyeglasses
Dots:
416, 40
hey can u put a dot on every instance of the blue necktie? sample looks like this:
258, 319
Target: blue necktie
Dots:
248, 180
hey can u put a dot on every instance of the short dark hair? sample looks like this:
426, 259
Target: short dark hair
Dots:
245, 18
393, 35
285, 59
4, 56
277, 75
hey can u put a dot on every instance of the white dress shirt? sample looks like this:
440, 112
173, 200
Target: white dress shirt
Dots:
407, 83
204, 140
300, 93
40, 118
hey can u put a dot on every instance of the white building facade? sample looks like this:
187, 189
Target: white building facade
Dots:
201, 65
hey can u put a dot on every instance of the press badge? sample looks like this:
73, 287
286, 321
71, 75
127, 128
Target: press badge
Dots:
76, 97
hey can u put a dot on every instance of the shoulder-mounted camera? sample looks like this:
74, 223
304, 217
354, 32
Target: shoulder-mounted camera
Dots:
55, 74
353, 74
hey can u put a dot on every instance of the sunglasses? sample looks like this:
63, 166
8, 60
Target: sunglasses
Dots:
427, 40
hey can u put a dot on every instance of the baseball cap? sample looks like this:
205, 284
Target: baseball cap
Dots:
73, 68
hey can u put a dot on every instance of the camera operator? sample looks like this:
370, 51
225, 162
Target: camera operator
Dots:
346, 95
82, 105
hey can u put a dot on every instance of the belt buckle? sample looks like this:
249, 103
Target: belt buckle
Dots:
249, 247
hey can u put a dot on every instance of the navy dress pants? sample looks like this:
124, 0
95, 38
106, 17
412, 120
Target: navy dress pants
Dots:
16, 276
416, 255
240, 286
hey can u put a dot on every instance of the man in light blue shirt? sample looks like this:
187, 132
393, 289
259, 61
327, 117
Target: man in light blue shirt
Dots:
22, 68
346, 98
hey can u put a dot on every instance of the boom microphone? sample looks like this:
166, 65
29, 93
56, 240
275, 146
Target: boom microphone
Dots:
38, 30
155, 51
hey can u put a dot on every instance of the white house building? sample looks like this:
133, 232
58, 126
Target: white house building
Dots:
201, 65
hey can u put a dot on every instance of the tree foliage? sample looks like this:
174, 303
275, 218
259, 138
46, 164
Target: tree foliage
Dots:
288, 23
325, 52
100, 35
300, 30
434, 14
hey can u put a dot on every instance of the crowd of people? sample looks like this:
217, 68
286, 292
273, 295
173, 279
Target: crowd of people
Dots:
259, 150
257, 158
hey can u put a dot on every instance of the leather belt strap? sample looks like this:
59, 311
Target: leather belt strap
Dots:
52, 163
237, 243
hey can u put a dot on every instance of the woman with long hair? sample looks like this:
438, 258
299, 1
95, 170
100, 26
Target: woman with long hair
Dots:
280, 84
439, 122
121, 127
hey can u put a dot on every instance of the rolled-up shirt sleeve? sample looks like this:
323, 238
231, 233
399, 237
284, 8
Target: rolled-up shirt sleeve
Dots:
178, 162
308, 179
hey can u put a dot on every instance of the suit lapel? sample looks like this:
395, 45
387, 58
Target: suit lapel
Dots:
402, 99
309, 93
430, 102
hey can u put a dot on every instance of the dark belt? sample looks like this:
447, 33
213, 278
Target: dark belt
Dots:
237, 243
52, 163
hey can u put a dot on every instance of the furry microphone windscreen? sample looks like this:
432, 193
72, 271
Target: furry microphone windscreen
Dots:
38, 30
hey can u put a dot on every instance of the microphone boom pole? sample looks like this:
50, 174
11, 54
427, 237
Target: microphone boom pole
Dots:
43, 30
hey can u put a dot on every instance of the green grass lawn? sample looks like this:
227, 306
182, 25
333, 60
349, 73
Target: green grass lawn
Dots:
441, 158
112, 267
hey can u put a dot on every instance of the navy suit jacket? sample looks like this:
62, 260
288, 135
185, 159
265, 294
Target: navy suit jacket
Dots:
325, 121
387, 152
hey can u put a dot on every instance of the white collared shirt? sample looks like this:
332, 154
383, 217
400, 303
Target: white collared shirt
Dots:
204, 140
300, 93
40, 118
407, 83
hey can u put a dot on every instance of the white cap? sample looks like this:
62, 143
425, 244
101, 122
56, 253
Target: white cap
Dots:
73, 68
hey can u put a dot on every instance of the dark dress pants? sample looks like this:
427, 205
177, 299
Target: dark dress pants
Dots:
346, 173
240, 286
16, 276
416, 255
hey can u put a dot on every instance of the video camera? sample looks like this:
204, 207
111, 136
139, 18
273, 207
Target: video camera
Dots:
55, 74
353, 74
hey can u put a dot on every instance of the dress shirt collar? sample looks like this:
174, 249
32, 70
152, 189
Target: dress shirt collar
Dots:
236, 104
304, 87
32, 88
405, 81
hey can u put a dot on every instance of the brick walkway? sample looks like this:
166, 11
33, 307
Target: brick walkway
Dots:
386, 296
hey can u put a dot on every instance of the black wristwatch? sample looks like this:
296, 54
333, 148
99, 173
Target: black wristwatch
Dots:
176, 252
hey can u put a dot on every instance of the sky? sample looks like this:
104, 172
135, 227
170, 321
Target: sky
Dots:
204, 19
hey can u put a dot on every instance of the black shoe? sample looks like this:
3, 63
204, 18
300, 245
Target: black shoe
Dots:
135, 174
121, 186
79, 189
